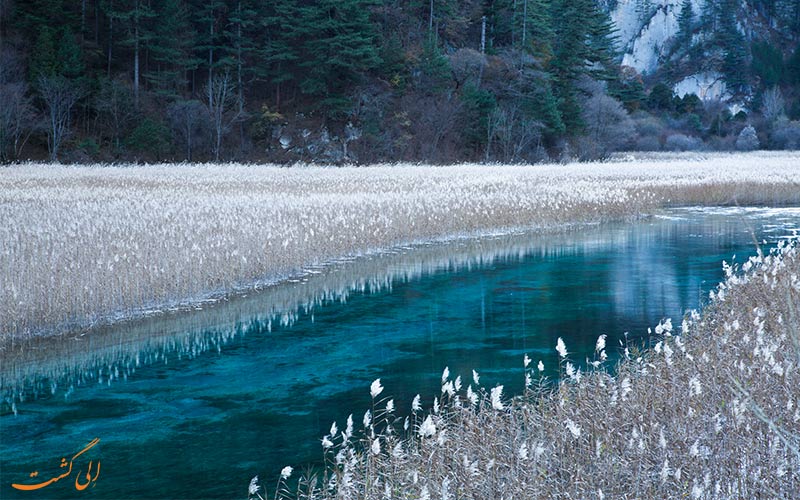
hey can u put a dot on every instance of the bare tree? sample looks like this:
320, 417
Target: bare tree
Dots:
115, 108
351, 133
434, 120
17, 113
17, 119
467, 65
188, 120
60, 96
223, 109
514, 135
772, 104
747, 139
608, 125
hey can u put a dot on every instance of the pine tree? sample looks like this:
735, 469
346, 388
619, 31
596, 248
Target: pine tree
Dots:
584, 44
628, 88
170, 48
242, 45
44, 23
135, 16
767, 63
685, 23
710, 15
434, 13
734, 63
478, 105
209, 41
501, 21
44, 60
601, 43
70, 57
542, 105
568, 59
536, 29
33, 15
339, 45
280, 47
788, 11
791, 74
434, 67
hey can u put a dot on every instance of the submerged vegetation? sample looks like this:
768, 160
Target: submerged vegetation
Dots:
89, 245
711, 411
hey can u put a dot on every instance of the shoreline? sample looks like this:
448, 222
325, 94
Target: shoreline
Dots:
710, 411
217, 297
145, 261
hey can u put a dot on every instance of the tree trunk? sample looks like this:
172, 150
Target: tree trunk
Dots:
136, 71
110, 39
136, 58
97, 23
211, 62
524, 22
240, 86
188, 142
483, 35
513, 22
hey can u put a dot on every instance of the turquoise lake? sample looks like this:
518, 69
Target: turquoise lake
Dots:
193, 404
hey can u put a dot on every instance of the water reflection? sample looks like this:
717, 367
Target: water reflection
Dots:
252, 383
658, 276
48, 365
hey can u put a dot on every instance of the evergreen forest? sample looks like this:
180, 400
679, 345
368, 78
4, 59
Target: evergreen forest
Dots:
364, 81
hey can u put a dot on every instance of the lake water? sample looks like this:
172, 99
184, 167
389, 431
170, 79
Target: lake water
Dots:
194, 404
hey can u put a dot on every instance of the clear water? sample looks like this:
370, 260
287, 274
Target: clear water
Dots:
193, 405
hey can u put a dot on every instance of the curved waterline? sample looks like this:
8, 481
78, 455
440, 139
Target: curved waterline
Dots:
260, 400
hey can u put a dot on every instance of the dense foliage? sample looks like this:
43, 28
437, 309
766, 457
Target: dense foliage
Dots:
359, 80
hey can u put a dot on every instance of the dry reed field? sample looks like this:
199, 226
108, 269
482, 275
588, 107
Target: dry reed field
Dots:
87, 245
710, 412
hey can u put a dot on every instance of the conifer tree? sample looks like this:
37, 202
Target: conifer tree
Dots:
434, 67
170, 48
685, 22
583, 45
70, 58
135, 16
601, 43
710, 14
536, 28
338, 46
280, 46
44, 60
210, 41
242, 46
731, 41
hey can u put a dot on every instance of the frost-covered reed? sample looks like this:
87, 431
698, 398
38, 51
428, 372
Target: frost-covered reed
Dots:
712, 411
80, 246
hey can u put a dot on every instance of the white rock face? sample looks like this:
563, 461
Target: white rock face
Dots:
645, 41
652, 42
626, 20
708, 86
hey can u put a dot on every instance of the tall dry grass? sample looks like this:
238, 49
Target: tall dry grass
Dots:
711, 411
82, 246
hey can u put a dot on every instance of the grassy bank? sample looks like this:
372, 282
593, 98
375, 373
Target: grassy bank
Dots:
82, 246
711, 411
